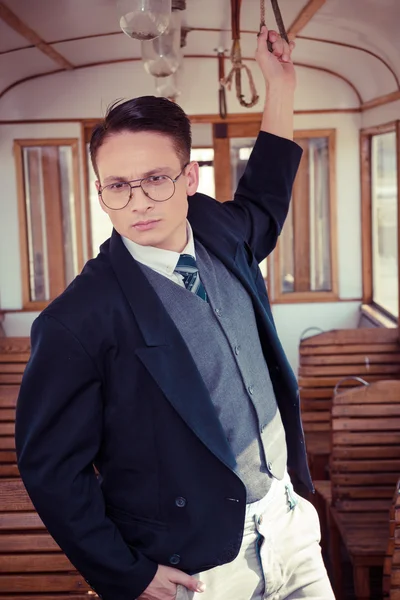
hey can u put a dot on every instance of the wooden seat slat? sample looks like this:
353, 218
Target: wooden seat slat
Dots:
318, 393
363, 452
353, 336
34, 563
8, 396
7, 428
347, 466
38, 583
28, 542
342, 349
347, 370
59, 596
383, 438
7, 414
367, 505
12, 345
316, 405
13, 378
363, 479
316, 416
14, 521
330, 382
8, 456
14, 496
11, 368
14, 357
383, 392
367, 425
10, 470
368, 410
318, 443
352, 359
7, 442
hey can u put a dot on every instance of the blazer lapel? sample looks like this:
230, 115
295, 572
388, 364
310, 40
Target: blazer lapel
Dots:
166, 356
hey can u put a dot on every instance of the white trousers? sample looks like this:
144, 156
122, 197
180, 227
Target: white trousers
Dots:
280, 556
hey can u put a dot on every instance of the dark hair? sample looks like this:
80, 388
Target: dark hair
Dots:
146, 113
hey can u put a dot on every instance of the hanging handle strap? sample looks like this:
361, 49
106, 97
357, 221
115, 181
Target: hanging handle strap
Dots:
278, 19
222, 90
237, 63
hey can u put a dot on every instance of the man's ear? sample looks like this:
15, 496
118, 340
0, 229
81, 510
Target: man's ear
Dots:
192, 178
98, 186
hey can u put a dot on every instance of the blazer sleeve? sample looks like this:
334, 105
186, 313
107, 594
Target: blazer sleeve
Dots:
58, 435
262, 199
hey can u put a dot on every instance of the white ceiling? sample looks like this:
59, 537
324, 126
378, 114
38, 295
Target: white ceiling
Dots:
354, 22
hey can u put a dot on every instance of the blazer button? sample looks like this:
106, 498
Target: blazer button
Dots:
175, 559
180, 502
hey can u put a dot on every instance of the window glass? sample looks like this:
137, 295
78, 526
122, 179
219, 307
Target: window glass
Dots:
384, 222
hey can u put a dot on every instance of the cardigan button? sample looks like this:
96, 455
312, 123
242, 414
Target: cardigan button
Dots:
175, 559
180, 502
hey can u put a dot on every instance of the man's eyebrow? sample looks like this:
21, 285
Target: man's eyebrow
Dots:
157, 171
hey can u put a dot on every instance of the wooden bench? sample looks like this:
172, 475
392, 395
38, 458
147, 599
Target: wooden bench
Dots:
326, 359
14, 354
391, 569
365, 466
32, 566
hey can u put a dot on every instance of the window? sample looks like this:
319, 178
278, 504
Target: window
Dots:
303, 266
304, 261
380, 214
50, 218
205, 158
100, 227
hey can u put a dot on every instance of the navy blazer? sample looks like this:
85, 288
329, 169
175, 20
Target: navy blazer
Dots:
111, 383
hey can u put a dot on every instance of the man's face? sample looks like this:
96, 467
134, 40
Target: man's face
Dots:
128, 156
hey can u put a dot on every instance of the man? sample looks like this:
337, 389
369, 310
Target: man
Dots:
160, 365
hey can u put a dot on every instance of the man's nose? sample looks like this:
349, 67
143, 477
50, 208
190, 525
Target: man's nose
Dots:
139, 200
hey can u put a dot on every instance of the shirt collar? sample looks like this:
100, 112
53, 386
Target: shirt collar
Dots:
161, 261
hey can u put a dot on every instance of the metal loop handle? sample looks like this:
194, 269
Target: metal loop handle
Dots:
350, 378
310, 329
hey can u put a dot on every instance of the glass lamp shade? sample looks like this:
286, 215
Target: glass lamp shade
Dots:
144, 19
162, 56
167, 87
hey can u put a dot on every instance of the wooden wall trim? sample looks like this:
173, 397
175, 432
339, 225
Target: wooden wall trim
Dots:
86, 200
398, 212
305, 16
243, 31
380, 101
22, 222
208, 118
366, 217
188, 56
11, 19
222, 163
354, 47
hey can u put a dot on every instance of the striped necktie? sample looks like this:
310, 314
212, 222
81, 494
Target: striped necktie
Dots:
187, 268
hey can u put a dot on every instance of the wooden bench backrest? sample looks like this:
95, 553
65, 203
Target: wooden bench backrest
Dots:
31, 563
365, 453
395, 563
391, 567
327, 358
14, 354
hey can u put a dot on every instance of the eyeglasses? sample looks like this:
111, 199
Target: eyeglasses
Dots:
159, 188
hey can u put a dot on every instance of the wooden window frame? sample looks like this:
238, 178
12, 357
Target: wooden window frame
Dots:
366, 136
19, 145
274, 260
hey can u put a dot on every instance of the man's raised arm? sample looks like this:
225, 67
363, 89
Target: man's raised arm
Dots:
262, 199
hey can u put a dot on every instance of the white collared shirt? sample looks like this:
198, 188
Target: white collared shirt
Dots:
161, 261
